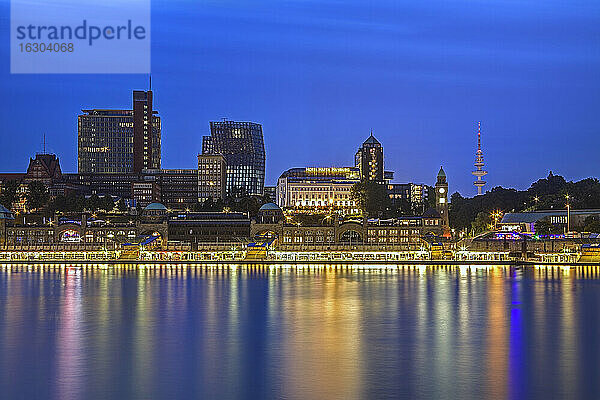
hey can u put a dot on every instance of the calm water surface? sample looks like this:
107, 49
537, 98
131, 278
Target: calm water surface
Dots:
239, 333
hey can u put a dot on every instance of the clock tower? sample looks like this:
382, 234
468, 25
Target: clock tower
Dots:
441, 197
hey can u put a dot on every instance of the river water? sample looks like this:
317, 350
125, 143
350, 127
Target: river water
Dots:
299, 333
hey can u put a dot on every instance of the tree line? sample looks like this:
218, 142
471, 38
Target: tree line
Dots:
374, 201
37, 199
548, 193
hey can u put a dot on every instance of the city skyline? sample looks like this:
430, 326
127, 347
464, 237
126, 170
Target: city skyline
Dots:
534, 104
314, 199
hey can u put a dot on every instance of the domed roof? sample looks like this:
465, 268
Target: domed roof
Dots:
155, 206
269, 206
5, 213
432, 213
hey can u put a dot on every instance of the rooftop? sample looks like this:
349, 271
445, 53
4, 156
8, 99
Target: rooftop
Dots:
441, 173
269, 206
155, 206
5, 213
371, 140
534, 216
431, 213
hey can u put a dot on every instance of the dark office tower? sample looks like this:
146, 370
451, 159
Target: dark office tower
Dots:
146, 138
369, 160
241, 143
119, 141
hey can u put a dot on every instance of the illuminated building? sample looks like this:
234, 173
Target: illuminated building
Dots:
242, 145
441, 196
479, 172
369, 160
89, 233
213, 227
212, 177
6, 218
178, 187
271, 193
400, 234
145, 192
269, 213
119, 185
525, 221
44, 168
120, 141
414, 194
309, 189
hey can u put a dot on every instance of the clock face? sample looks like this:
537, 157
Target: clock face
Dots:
442, 190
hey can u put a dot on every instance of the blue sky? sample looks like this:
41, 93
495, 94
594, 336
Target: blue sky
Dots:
319, 75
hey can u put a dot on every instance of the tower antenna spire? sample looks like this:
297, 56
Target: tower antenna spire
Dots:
479, 172
479, 135
44, 144
150, 78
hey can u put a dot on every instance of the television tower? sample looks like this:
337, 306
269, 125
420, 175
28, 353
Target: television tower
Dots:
479, 172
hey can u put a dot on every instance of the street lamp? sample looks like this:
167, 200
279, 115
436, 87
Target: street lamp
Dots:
496, 214
568, 214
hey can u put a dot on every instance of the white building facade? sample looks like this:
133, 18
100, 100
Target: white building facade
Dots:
314, 189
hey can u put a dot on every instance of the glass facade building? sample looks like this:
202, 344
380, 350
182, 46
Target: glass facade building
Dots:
242, 146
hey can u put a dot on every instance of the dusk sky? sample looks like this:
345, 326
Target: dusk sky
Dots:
319, 75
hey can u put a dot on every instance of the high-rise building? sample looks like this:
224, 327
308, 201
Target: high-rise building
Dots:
479, 172
242, 145
441, 196
369, 160
212, 177
119, 141
146, 139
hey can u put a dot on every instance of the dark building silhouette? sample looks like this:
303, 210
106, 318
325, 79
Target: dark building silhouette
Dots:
441, 196
213, 227
369, 160
43, 168
242, 145
176, 188
179, 187
146, 138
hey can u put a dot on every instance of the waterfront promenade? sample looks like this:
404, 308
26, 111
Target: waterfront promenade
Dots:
297, 263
